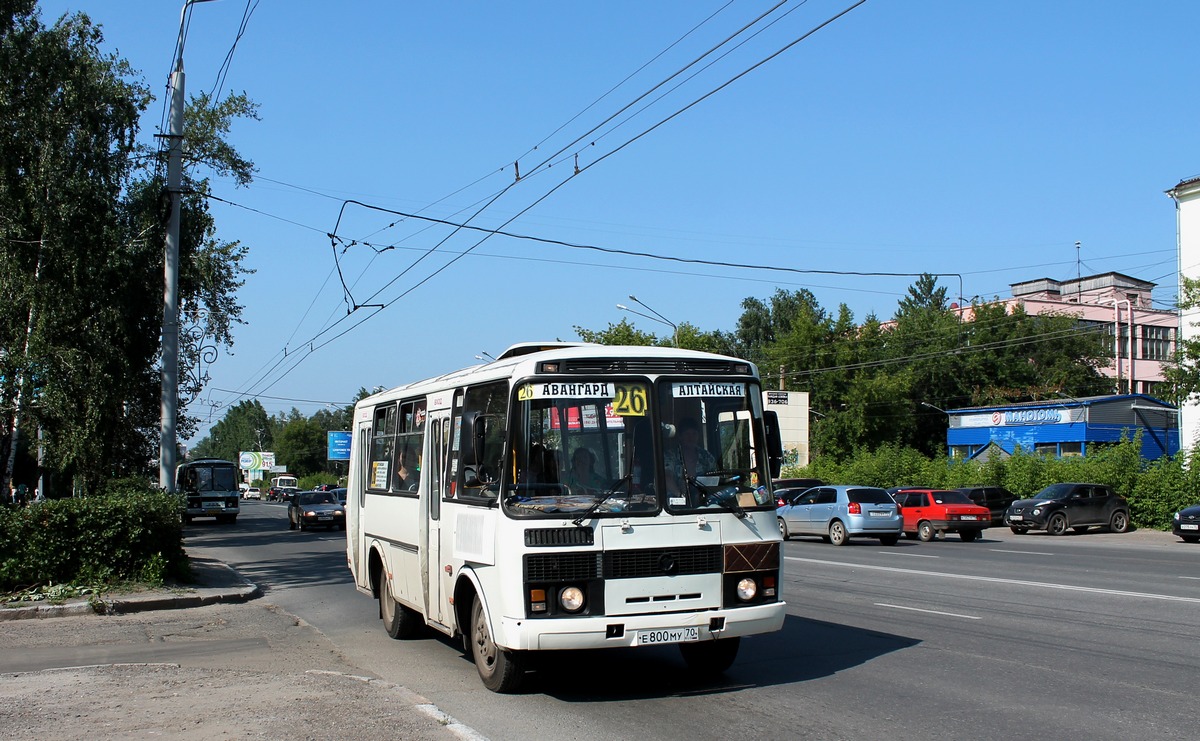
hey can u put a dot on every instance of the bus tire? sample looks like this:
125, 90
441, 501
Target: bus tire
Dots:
500, 669
399, 621
710, 657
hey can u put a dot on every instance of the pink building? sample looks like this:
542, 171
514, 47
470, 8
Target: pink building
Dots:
1143, 337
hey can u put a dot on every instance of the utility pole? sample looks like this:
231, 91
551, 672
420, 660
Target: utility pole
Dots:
170, 323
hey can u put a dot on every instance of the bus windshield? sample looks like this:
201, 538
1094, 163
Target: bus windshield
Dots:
210, 478
710, 455
582, 446
585, 447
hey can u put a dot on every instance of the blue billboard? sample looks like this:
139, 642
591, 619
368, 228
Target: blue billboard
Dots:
339, 446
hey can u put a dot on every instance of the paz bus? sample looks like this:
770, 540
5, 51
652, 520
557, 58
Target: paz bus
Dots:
571, 496
210, 487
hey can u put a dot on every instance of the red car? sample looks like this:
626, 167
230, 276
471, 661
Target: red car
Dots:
929, 513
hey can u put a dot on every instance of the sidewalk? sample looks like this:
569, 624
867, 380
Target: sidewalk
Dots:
136, 664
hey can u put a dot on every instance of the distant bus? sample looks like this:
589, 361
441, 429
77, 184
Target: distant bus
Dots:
568, 497
210, 486
285, 481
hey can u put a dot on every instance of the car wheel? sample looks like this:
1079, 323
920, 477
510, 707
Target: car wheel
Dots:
837, 533
710, 657
500, 669
398, 620
888, 539
925, 532
1018, 530
969, 536
291, 523
1119, 522
1080, 528
1190, 538
1057, 524
783, 530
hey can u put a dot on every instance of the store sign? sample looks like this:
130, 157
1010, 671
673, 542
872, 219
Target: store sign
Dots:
1027, 417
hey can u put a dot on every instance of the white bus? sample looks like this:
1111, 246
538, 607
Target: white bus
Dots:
570, 496
284, 481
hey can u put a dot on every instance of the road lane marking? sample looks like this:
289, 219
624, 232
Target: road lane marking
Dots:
1023, 553
931, 612
1190, 577
999, 580
910, 555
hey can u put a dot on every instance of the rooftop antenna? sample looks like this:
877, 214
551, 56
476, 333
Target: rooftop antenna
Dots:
1078, 274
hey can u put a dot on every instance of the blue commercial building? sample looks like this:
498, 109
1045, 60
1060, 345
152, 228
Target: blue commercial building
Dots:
1063, 427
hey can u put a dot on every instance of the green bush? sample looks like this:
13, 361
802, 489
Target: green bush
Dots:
1155, 489
132, 532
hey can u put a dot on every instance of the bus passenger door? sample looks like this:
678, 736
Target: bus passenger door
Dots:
435, 577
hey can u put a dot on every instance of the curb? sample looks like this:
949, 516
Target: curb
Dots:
195, 595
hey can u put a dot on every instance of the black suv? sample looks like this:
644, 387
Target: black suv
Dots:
1075, 506
995, 498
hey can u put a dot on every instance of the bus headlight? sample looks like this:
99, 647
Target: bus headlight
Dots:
746, 589
571, 599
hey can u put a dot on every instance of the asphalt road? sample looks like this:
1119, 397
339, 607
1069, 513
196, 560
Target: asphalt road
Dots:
1083, 636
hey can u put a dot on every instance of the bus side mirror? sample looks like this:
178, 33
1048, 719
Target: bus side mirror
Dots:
774, 442
474, 432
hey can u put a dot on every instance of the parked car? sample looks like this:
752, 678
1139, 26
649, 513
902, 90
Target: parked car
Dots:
316, 509
794, 485
838, 513
1186, 524
252, 492
1075, 506
929, 513
995, 498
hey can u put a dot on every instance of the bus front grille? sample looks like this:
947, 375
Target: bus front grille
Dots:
643, 562
561, 567
559, 536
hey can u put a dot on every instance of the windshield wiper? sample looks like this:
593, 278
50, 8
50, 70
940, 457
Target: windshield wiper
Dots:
612, 489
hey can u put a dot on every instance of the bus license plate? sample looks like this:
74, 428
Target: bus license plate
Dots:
667, 635
212, 505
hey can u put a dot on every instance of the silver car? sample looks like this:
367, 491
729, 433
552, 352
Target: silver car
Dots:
838, 513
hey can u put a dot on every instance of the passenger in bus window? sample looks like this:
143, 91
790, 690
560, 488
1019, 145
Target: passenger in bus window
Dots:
583, 477
408, 475
686, 456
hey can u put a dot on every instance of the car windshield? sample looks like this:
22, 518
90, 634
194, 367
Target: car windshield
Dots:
869, 496
317, 497
1055, 491
951, 497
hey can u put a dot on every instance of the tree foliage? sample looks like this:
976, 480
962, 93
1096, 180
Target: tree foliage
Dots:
82, 228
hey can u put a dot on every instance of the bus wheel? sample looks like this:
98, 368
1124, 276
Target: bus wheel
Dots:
500, 669
398, 620
710, 657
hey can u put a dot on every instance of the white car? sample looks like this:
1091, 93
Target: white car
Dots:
252, 493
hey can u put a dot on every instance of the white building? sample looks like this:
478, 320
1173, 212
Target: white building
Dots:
1187, 219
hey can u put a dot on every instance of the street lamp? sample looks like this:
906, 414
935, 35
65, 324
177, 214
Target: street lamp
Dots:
656, 318
931, 406
170, 325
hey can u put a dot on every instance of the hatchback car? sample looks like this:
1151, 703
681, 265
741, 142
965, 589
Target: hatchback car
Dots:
1076, 506
995, 498
929, 513
1186, 524
838, 513
316, 509
252, 493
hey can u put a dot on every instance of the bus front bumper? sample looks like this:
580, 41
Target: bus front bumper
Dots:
548, 634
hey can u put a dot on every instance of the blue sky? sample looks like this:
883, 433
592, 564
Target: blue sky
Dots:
981, 139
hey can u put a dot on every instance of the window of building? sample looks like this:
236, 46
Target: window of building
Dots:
1069, 449
961, 452
1156, 342
1046, 449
